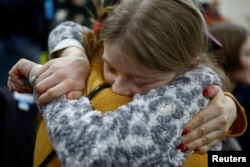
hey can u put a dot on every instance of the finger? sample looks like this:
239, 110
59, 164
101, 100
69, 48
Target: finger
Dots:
9, 86
206, 148
10, 80
18, 79
74, 95
211, 91
42, 70
16, 82
21, 68
213, 109
53, 93
48, 81
44, 75
217, 124
206, 142
202, 117
19, 88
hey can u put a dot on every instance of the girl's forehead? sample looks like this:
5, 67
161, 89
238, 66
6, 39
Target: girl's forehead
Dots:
118, 60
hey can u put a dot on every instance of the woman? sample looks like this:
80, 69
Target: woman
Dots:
234, 58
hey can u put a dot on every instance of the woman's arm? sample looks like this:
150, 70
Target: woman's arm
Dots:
66, 34
222, 109
143, 132
193, 140
68, 74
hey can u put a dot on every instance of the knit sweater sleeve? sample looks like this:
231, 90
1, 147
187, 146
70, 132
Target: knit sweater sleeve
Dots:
144, 132
67, 33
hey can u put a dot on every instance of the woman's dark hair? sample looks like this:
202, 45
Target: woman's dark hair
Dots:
232, 37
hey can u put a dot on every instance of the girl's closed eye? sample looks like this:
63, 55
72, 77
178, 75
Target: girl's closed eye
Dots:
109, 68
140, 83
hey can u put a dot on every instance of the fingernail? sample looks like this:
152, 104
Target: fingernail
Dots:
184, 148
196, 150
180, 146
185, 131
205, 92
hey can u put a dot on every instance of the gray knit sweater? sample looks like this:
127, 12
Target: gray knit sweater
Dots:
143, 133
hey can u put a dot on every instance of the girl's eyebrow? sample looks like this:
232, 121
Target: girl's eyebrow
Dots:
134, 75
142, 77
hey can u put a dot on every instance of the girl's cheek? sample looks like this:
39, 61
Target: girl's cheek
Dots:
109, 78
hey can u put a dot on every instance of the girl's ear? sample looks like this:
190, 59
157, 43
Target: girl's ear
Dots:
195, 62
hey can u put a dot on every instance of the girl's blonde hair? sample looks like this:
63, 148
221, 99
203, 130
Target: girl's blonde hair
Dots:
165, 35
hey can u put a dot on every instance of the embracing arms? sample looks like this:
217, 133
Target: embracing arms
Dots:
57, 77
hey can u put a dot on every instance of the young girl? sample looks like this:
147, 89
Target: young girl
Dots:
159, 65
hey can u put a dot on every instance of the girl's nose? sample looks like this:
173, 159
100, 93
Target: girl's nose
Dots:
122, 87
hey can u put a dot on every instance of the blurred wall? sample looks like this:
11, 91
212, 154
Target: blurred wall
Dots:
236, 10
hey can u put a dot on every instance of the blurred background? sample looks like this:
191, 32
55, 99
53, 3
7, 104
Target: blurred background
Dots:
236, 11
24, 30
26, 24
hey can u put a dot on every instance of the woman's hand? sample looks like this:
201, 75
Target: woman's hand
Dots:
211, 124
64, 75
19, 75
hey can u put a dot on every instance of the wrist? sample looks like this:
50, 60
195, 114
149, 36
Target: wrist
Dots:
72, 51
